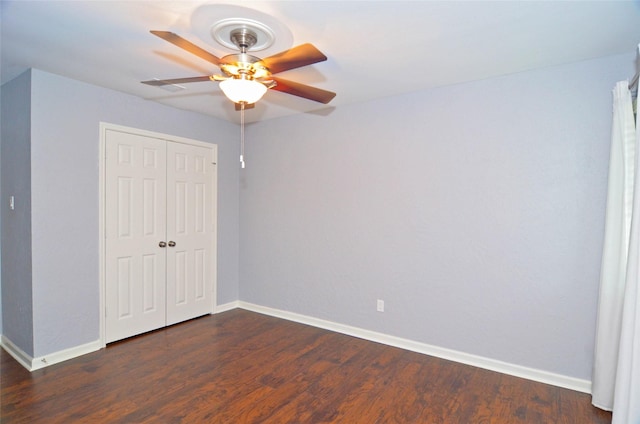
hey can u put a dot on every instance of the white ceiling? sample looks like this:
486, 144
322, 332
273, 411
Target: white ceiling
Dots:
375, 48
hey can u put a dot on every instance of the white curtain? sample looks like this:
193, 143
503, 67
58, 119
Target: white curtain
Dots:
616, 376
626, 400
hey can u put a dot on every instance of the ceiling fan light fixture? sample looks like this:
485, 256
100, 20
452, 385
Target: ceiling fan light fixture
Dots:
240, 90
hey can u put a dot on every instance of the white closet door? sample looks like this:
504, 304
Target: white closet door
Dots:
190, 231
135, 224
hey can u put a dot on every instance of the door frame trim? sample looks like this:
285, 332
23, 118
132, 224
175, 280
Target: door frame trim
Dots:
104, 127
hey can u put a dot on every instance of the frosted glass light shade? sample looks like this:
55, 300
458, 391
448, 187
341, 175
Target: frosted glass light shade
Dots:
242, 90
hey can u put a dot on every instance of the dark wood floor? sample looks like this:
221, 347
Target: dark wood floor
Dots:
243, 367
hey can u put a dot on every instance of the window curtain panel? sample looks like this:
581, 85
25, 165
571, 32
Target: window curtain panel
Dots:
616, 375
626, 400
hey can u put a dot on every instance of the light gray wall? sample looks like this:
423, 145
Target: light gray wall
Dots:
64, 183
15, 167
474, 211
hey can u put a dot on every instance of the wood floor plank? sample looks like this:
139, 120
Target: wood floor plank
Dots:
243, 367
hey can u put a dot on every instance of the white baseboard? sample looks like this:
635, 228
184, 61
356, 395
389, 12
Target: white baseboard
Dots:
33, 364
65, 355
17, 353
533, 374
226, 307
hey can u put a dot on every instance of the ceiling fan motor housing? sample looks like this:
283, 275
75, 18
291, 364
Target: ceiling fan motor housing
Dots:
242, 65
237, 65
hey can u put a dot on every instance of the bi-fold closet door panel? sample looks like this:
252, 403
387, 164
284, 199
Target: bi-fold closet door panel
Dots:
159, 233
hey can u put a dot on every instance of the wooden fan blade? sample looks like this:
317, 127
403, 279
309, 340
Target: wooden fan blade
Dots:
187, 45
302, 90
176, 81
302, 55
246, 106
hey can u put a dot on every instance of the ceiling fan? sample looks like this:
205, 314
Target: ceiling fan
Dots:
246, 78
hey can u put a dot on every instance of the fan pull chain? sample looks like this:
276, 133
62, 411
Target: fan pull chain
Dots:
242, 135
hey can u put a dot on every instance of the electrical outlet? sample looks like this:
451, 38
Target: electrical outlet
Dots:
380, 305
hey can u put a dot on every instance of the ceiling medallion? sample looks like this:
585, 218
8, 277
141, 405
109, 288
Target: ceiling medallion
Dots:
222, 31
215, 23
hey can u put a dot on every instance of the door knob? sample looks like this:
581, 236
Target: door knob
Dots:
172, 243
162, 244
